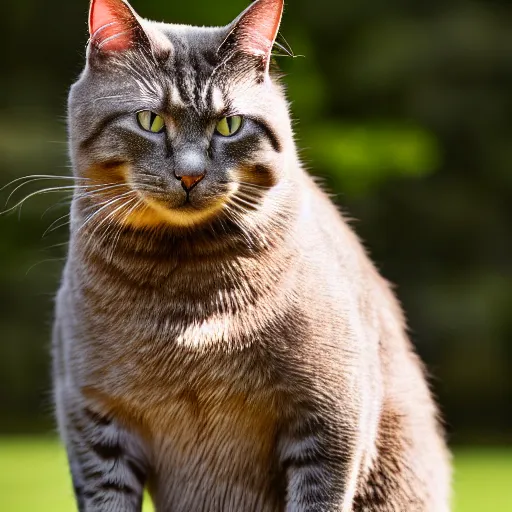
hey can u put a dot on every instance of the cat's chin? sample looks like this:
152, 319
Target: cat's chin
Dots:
157, 214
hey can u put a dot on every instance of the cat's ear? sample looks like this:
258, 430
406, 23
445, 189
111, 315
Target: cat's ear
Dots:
114, 27
254, 32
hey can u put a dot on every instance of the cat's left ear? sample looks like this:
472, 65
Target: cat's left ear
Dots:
114, 27
254, 32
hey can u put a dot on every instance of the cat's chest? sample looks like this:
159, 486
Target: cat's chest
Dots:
147, 347
128, 320
212, 436
162, 374
226, 450
201, 391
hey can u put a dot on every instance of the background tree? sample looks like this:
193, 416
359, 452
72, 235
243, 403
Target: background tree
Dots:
404, 109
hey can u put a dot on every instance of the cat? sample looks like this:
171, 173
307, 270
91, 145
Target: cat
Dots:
221, 337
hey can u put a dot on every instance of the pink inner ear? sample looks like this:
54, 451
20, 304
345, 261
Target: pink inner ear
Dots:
111, 24
268, 20
259, 26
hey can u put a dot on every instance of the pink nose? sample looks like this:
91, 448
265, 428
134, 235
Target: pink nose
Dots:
189, 182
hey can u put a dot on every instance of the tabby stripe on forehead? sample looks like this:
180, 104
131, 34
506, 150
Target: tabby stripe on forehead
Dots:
182, 80
208, 98
198, 82
181, 85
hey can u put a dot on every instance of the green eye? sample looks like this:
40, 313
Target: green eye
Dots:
228, 126
150, 121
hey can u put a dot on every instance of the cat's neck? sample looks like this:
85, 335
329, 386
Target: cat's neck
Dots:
195, 267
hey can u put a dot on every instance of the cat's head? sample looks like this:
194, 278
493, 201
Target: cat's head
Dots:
177, 125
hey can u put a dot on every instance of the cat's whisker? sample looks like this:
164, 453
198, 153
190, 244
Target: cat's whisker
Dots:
44, 191
50, 189
222, 224
61, 244
61, 225
254, 189
249, 196
41, 262
237, 216
149, 175
108, 219
97, 207
78, 195
121, 227
31, 179
36, 177
242, 213
238, 199
148, 186
66, 201
55, 223
99, 191
254, 185
96, 204
116, 236
142, 183
109, 203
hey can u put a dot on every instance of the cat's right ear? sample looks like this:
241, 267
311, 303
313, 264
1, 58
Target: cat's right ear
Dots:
254, 32
114, 27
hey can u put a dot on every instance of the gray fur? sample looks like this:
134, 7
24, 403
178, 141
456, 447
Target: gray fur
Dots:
239, 353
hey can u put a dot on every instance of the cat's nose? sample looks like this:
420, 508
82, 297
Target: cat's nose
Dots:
188, 182
189, 166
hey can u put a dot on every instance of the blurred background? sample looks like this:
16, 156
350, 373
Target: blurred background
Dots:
403, 107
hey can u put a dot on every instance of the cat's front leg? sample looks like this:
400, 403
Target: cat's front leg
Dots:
320, 456
106, 462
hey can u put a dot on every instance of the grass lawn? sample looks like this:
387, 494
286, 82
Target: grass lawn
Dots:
33, 478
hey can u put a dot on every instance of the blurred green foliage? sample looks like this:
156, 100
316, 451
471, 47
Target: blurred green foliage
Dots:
402, 107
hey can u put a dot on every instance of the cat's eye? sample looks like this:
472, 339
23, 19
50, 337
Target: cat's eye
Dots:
150, 121
228, 126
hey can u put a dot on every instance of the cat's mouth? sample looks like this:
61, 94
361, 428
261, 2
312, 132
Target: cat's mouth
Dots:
155, 211
183, 208
132, 202
136, 204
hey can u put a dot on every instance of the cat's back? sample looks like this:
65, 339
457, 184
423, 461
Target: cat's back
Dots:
336, 270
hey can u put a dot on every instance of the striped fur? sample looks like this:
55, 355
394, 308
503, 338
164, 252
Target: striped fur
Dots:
231, 348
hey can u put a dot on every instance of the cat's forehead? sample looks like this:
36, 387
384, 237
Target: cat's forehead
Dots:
190, 77
192, 46
195, 37
191, 64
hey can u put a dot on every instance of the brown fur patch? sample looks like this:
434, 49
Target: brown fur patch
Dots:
260, 175
223, 431
107, 173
